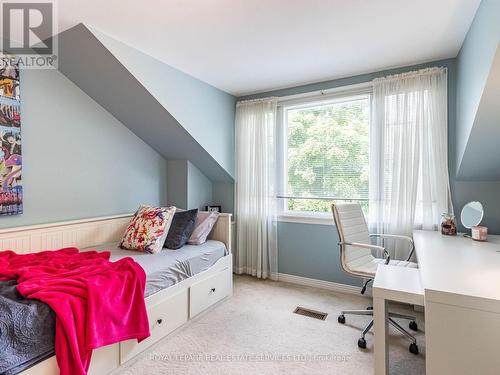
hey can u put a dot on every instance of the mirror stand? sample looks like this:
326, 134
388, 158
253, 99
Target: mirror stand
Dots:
471, 216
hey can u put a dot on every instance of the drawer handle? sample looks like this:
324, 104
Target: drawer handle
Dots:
212, 290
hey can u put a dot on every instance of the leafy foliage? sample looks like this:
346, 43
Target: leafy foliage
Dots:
328, 154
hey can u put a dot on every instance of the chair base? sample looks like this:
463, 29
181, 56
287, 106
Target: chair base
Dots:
413, 348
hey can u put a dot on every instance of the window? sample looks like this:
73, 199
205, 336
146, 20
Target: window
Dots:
325, 153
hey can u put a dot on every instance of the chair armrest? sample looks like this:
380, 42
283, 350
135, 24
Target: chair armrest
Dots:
371, 247
398, 237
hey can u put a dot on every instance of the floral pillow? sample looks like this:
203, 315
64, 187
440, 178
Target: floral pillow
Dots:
148, 229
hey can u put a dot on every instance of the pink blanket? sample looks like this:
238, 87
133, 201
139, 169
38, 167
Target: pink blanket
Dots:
96, 302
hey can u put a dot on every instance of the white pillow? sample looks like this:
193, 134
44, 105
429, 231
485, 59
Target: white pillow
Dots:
204, 223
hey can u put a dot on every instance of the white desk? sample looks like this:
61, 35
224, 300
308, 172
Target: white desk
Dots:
461, 285
461, 281
391, 284
459, 265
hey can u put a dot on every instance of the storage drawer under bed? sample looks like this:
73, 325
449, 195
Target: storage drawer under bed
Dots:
164, 317
208, 291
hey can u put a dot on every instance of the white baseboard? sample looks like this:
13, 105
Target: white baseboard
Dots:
329, 285
249, 271
299, 280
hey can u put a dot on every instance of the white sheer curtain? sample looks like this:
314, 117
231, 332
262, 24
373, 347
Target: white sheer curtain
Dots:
409, 181
255, 188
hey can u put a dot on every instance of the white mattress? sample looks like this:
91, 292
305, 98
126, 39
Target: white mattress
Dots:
169, 267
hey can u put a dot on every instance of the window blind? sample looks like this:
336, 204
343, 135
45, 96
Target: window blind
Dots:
327, 152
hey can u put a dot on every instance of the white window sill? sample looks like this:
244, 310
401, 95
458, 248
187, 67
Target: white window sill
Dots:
306, 218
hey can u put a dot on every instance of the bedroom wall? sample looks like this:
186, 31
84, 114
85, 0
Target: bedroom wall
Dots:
223, 195
187, 187
199, 188
78, 160
206, 112
179, 116
473, 64
177, 183
473, 67
310, 250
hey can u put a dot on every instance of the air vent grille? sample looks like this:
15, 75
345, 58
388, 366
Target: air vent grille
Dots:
310, 313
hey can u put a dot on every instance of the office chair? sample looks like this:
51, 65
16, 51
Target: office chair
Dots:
356, 259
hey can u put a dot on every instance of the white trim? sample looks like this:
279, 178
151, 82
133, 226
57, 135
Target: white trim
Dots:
324, 100
63, 223
74, 222
328, 285
258, 100
252, 272
306, 218
87, 232
304, 100
359, 88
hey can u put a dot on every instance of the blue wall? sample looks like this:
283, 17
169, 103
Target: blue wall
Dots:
78, 160
206, 112
473, 64
134, 99
177, 183
310, 250
223, 195
187, 187
199, 188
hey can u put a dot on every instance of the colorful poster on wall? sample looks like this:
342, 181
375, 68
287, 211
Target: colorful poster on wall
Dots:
11, 188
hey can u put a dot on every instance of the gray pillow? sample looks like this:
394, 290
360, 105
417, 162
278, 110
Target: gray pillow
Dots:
181, 229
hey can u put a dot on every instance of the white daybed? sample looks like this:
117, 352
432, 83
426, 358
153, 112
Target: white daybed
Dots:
167, 309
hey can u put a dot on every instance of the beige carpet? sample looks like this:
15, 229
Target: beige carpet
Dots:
255, 332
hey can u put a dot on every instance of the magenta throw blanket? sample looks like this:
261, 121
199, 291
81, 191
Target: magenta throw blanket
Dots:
96, 302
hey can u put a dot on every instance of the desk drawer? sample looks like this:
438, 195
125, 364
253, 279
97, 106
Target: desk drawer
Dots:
206, 292
164, 317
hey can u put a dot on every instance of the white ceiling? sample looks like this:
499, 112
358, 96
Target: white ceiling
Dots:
247, 46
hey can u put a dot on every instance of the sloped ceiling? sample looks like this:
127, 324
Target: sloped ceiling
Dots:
248, 46
85, 60
478, 93
205, 112
481, 159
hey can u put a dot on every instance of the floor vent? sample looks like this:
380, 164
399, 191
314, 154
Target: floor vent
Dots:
310, 313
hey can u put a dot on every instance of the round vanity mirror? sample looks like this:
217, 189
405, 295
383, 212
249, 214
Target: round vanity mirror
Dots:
472, 214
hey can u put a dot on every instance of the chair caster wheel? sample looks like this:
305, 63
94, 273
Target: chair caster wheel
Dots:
362, 343
341, 319
413, 326
369, 308
413, 348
